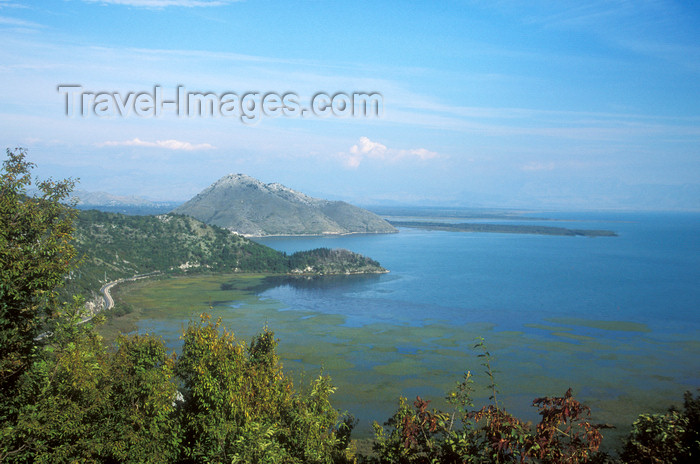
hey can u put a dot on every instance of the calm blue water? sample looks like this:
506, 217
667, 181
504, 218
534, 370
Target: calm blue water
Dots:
554, 304
649, 274
616, 318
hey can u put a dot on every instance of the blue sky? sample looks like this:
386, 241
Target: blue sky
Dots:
533, 104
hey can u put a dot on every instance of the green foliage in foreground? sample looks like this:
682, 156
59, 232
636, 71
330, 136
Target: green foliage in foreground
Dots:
221, 401
673, 437
240, 407
85, 403
36, 252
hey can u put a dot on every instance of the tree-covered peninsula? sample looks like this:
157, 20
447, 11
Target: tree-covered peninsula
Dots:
113, 246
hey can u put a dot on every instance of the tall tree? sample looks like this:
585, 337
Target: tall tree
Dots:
35, 256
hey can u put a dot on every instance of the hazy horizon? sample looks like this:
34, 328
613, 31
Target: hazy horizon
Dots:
379, 205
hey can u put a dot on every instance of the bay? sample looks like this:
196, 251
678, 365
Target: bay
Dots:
615, 318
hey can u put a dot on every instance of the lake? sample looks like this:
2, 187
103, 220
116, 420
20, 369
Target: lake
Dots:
615, 318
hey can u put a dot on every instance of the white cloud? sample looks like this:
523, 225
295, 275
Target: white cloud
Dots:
163, 3
11, 4
167, 144
421, 153
367, 149
15, 22
537, 166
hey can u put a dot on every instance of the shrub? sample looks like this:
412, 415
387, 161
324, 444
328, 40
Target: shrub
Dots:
240, 407
415, 434
666, 438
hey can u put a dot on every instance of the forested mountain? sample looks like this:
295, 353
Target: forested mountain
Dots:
113, 246
245, 205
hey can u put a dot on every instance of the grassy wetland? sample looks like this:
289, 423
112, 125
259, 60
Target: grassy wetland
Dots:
374, 364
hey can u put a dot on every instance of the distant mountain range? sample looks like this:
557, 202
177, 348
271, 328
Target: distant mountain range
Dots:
107, 199
249, 207
131, 204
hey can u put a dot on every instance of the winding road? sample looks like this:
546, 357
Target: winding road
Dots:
109, 301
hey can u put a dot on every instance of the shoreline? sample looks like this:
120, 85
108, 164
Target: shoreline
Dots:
504, 229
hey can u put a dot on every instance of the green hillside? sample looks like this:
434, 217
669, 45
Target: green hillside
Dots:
113, 246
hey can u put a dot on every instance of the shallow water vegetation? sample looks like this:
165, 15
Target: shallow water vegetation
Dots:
610, 374
224, 400
418, 434
565, 434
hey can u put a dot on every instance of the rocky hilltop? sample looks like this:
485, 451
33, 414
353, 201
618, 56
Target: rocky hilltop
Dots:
249, 207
